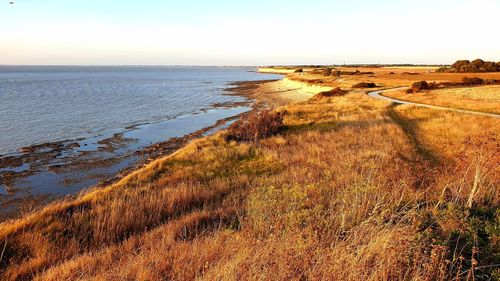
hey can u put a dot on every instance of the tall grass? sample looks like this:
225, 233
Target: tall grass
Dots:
340, 193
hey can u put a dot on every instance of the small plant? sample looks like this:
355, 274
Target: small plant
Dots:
336, 92
256, 125
442, 69
365, 85
421, 86
472, 81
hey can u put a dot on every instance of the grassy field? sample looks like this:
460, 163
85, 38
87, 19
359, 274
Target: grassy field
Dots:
484, 99
386, 77
352, 188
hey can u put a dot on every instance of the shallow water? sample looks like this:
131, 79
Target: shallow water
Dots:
40, 104
97, 118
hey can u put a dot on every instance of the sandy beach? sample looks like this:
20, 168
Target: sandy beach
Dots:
276, 93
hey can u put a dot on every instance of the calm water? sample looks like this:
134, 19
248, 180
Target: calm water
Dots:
46, 104
99, 117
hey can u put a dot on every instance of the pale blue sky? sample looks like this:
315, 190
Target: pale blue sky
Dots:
258, 32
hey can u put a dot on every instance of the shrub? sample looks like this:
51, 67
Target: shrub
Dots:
300, 70
490, 66
327, 71
256, 125
443, 69
472, 81
357, 72
459, 63
478, 62
422, 85
317, 71
365, 85
350, 72
478, 65
337, 92
492, 81
466, 81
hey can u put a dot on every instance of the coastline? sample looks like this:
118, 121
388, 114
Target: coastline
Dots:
104, 160
260, 94
103, 163
223, 206
274, 93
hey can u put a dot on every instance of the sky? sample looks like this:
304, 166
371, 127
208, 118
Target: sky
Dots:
253, 32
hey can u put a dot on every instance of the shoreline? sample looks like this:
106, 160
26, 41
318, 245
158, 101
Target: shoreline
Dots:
18, 169
86, 155
335, 159
260, 94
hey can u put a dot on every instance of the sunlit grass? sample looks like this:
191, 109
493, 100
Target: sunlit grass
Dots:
483, 99
341, 193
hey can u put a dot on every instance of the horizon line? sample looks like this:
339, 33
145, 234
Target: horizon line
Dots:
210, 65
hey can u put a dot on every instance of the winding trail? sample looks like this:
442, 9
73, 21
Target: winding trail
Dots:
378, 95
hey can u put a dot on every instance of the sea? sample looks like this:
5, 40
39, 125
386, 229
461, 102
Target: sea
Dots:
77, 108
40, 104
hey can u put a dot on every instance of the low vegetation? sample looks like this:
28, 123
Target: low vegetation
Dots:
365, 85
338, 188
255, 126
336, 92
475, 66
420, 86
483, 99
466, 82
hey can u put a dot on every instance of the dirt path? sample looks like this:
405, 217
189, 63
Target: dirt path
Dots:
378, 95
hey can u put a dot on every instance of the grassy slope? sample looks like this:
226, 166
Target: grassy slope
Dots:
353, 188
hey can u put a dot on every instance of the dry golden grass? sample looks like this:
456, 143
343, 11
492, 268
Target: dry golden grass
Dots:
352, 189
386, 77
484, 99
